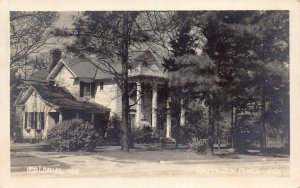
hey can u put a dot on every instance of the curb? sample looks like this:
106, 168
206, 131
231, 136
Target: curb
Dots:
225, 161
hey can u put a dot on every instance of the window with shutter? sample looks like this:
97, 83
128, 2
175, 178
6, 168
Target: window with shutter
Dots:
87, 89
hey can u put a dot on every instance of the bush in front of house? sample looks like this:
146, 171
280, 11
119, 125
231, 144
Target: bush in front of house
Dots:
73, 135
188, 132
198, 145
143, 134
114, 130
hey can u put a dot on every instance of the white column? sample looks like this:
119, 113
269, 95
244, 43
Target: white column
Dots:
139, 103
60, 117
168, 131
77, 115
182, 114
154, 106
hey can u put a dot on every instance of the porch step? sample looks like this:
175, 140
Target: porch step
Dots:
169, 141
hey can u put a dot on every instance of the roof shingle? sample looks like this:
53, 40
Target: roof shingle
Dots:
59, 96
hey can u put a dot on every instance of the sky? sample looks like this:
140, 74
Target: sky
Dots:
65, 19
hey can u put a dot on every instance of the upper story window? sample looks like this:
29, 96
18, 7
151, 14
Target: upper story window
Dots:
87, 89
101, 84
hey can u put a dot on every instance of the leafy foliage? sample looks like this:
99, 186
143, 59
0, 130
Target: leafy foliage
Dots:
29, 32
73, 135
143, 134
114, 130
198, 145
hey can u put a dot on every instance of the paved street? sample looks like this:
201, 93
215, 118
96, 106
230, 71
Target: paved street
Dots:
31, 160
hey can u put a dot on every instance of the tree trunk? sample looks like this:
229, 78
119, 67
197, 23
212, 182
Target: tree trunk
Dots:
125, 96
177, 133
264, 136
233, 145
211, 129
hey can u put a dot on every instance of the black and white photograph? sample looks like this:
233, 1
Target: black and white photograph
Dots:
149, 94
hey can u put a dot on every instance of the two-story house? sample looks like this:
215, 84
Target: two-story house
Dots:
76, 88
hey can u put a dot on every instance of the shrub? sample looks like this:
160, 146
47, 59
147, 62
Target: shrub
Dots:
73, 135
187, 133
114, 130
143, 134
198, 145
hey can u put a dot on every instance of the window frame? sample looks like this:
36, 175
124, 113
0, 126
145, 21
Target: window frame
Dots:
83, 91
101, 86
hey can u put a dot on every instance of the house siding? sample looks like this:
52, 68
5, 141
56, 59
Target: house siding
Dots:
109, 97
65, 79
36, 104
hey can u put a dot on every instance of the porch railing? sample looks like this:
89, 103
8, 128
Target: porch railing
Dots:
142, 71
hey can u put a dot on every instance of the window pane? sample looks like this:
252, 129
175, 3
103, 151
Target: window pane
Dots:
85, 89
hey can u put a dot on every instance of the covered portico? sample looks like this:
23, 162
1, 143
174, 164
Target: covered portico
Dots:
148, 95
149, 98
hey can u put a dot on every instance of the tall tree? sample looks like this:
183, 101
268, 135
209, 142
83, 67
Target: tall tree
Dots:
198, 88
29, 34
190, 74
244, 44
183, 43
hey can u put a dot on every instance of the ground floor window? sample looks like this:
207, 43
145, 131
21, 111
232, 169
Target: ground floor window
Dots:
34, 120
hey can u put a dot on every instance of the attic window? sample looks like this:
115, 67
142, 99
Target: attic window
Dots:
87, 89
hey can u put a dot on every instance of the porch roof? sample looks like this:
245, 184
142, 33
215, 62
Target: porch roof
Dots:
61, 98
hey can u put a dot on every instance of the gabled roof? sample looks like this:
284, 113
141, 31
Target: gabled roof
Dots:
147, 59
61, 98
93, 69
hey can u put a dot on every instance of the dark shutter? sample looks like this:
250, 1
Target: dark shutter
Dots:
36, 115
32, 120
93, 89
42, 120
26, 117
81, 88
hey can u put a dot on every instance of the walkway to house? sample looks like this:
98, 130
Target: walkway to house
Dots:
144, 160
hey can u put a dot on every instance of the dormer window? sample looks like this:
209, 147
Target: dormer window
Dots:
87, 89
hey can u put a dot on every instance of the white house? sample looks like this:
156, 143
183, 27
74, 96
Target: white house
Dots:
83, 89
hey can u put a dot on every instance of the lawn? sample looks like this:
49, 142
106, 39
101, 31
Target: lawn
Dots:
143, 160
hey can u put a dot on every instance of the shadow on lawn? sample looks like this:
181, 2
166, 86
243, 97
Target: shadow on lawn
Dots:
141, 152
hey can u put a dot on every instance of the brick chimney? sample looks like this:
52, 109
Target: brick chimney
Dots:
55, 55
